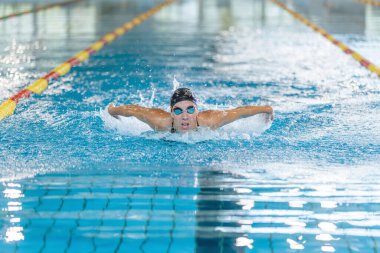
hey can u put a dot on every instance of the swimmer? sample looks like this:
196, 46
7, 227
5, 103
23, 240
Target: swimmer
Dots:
184, 115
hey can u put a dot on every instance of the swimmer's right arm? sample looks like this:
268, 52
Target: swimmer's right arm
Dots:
157, 119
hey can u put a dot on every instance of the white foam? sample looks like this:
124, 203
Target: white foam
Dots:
241, 129
191, 137
252, 126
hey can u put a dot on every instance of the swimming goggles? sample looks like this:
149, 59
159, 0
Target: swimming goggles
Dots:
178, 111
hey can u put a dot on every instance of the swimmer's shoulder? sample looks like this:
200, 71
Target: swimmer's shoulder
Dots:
156, 118
163, 121
209, 118
204, 115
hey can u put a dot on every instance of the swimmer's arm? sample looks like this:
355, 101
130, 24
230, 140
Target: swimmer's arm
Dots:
215, 119
157, 119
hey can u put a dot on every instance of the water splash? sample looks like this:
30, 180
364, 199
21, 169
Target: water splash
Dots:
123, 125
176, 84
152, 97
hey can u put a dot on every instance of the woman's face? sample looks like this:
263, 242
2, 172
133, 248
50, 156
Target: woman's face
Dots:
184, 116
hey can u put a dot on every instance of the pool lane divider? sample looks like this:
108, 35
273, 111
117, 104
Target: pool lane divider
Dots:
40, 8
8, 107
370, 2
364, 62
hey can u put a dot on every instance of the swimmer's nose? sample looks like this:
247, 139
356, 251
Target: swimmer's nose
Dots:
185, 115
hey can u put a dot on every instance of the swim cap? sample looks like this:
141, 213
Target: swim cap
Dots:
182, 94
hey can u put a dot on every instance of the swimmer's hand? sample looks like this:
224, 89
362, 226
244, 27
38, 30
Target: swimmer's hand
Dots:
269, 116
112, 110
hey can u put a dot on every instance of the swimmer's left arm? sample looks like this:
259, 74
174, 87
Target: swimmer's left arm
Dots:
215, 119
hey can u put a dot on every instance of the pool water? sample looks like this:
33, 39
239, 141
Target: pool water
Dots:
74, 180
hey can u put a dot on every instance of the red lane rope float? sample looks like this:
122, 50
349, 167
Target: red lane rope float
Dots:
364, 62
40, 8
8, 107
370, 2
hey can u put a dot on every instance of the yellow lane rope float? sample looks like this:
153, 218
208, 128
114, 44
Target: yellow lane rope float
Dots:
8, 107
370, 2
40, 8
364, 62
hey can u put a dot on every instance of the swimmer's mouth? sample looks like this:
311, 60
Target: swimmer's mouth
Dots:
185, 124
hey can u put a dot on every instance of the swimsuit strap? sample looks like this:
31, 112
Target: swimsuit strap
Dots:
172, 130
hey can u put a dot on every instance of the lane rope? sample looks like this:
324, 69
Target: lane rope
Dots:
40, 8
370, 2
8, 107
364, 62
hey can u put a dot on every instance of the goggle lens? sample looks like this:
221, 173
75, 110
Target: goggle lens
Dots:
190, 110
177, 111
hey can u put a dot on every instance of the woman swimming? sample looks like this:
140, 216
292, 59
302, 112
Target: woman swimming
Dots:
184, 115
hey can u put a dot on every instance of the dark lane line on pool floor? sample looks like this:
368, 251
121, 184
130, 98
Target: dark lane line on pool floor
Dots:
40, 8
8, 107
363, 61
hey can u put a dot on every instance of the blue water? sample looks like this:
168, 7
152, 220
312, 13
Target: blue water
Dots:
74, 181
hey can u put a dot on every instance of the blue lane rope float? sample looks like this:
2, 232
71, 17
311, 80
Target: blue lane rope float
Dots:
8, 107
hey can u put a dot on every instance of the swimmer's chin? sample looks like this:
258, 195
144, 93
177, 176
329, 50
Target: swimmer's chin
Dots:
183, 130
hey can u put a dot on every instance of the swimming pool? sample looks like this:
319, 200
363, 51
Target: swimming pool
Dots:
309, 183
